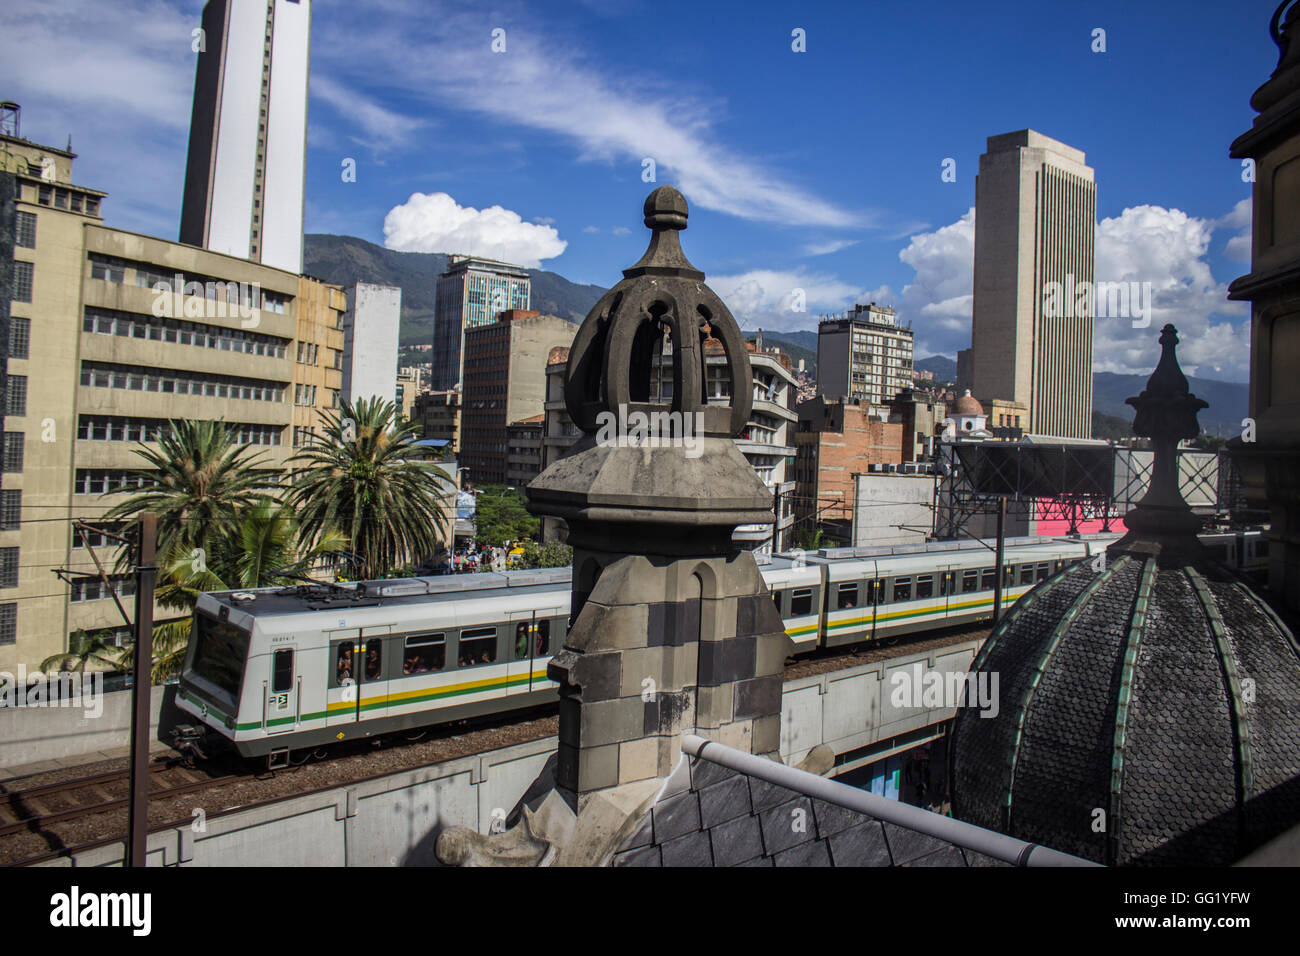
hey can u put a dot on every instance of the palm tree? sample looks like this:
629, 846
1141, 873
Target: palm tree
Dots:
197, 483
365, 477
86, 649
263, 555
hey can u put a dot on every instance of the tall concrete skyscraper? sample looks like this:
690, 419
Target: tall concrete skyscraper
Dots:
248, 132
1035, 224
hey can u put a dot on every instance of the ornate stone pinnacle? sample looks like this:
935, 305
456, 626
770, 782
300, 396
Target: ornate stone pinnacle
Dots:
1166, 413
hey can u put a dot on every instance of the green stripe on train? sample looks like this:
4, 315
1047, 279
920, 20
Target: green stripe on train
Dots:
421, 698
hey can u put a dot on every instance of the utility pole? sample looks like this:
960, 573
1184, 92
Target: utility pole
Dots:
997, 563
145, 575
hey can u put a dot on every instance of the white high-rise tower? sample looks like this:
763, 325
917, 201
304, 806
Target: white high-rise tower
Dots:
248, 132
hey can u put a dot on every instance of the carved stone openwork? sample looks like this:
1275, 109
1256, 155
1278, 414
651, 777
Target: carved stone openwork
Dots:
661, 300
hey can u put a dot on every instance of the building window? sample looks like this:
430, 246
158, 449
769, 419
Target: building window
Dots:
107, 268
43, 195
8, 623
16, 395
22, 281
11, 509
20, 335
173, 381
8, 567
92, 206
25, 231
13, 452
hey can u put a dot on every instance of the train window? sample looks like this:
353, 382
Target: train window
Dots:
924, 586
282, 670
848, 595
542, 642
947, 584
424, 653
988, 578
1058, 564
523, 630
1043, 571
374, 658
902, 589
970, 581
876, 592
801, 602
219, 654
1026, 574
776, 599
1008, 576
343, 665
478, 646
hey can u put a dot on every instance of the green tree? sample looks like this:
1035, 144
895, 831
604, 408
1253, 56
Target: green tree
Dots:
552, 555
366, 478
197, 482
811, 540
87, 649
500, 516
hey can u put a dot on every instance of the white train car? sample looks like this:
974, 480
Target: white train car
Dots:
275, 670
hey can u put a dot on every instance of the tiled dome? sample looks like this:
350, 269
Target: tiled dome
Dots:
967, 405
1148, 702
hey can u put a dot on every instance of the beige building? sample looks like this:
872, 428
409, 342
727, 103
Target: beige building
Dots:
1035, 225
120, 333
505, 381
408, 387
864, 355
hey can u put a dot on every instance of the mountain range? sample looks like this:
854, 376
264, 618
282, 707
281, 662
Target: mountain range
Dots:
344, 260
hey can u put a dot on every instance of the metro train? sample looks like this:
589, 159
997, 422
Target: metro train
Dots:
285, 670
282, 671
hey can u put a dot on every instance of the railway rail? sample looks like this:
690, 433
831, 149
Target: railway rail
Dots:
47, 821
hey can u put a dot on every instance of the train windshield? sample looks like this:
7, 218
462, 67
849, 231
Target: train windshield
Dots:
220, 649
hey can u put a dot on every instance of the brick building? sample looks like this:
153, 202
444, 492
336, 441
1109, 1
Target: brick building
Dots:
836, 440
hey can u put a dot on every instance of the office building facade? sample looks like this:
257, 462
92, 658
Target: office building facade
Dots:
1035, 224
115, 335
470, 294
864, 355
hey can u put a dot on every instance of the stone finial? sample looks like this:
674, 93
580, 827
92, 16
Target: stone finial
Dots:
1285, 80
1166, 413
661, 300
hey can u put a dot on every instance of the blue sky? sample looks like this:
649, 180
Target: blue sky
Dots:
817, 170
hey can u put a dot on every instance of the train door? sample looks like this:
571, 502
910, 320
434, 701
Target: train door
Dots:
949, 578
281, 692
376, 648
519, 669
531, 645
341, 688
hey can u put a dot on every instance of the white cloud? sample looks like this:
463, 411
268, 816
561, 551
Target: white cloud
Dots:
763, 298
542, 82
1239, 244
622, 231
1164, 247
590, 230
434, 222
826, 248
375, 125
545, 220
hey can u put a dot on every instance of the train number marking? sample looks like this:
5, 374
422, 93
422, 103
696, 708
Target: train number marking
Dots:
281, 701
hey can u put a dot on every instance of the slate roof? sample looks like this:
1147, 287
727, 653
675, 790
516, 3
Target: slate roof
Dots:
709, 814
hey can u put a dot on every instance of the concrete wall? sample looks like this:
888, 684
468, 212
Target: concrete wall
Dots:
30, 735
370, 331
395, 821
882, 502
